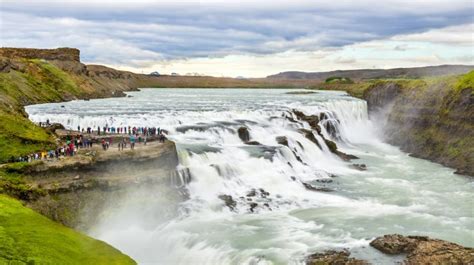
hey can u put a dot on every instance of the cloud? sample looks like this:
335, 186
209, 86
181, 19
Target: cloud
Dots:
458, 35
141, 34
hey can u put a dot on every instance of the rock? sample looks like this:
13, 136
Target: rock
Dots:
264, 193
312, 120
244, 134
252, 193
324, 180
77, 177
313, 188
361, 167
345, 157
424, 250
331, 145
323, 116
282, 140
60, 54
394, 244
297, 157
228, 200
310, 136
54, 126
5, 65
332, 257
253, 143
252, 205
331, 128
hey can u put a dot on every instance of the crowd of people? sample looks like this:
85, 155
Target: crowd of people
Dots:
80, 140
144, 131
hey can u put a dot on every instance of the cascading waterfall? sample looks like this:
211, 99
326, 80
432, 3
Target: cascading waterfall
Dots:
272, 201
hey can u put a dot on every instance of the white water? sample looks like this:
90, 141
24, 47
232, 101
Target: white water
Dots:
397, 194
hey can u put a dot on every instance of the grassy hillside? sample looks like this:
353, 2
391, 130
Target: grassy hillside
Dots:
27, 237
38, 82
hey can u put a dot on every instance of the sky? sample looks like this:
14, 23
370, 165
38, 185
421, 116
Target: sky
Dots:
246, 38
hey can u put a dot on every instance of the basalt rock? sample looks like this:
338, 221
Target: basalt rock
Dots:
312, 120
310, 136
253, 143
252, 205
360, 167
424, 250
244, 134
332, 129
283, 140
323, 116
333, 148
332, 257
314, 188
229, 201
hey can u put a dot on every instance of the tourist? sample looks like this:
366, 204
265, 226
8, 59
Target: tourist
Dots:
132, 142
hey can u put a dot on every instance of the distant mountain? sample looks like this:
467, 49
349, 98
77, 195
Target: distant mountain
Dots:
416, 72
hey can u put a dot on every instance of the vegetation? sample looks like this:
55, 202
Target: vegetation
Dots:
27, 237
466, 81
38, 82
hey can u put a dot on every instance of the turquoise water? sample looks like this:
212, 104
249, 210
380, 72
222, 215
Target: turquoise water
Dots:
397, 193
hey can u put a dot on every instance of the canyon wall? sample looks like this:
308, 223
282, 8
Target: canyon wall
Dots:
60, 54
431, 119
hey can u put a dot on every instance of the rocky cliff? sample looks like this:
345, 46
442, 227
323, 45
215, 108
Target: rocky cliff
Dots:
77, 190
430, 118
60, 54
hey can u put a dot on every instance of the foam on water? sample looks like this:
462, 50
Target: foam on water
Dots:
397, 194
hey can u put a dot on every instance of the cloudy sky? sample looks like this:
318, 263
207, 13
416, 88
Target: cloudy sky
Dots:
246, 38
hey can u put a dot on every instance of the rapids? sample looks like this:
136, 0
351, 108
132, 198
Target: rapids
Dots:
397, 193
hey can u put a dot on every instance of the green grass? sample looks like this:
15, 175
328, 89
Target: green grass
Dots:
466, 81
27, 237
19, 136
38, 82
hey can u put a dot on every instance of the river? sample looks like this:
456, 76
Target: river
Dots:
396, 194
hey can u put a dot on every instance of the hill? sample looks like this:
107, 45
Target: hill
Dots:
364, 74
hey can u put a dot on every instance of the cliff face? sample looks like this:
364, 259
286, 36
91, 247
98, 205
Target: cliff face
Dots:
77, 191
431, 119
60, 54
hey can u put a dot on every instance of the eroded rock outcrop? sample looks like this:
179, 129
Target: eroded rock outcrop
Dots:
89, 180
332, 257
424, 250
61, 54
313, 121
244, 134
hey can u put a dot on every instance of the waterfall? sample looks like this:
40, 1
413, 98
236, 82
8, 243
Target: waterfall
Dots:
282, 196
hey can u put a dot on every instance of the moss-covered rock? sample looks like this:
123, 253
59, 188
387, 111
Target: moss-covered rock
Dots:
429, 118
